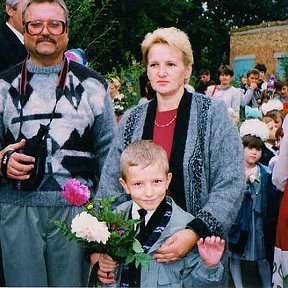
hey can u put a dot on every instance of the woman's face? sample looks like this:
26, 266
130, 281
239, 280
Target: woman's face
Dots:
112, 90
166, 70
225, 79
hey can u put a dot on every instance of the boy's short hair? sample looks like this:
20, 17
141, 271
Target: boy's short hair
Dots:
252, 72
143, 153
252, 141
225, 70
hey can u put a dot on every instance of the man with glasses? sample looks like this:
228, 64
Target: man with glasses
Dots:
12, 50
56, 124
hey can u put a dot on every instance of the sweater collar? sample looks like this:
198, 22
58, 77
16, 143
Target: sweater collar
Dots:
45, 70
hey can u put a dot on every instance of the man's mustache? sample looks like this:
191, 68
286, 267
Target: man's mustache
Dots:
45, 38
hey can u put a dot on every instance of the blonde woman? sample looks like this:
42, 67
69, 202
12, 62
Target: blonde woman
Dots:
202, 144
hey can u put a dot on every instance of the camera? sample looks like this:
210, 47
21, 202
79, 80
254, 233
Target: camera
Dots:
37, 148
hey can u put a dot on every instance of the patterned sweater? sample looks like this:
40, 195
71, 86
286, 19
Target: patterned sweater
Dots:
211, 168
80, 134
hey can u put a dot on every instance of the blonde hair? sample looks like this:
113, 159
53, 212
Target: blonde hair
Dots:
116, 82
173, 37
143, 153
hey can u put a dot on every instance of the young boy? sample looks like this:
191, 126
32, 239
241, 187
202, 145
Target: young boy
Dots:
246, 237
251, 92
145, 177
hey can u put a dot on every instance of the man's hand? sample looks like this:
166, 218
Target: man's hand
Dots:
15, 168
107, 268
211, 250
176, 246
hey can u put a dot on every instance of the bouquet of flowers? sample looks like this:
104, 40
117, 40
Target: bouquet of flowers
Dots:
101, 229
120, 106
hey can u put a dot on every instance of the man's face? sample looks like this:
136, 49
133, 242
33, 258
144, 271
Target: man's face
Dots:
45, 48
204, 78
15, 15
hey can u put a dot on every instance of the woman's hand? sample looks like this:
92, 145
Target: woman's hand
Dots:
176, 246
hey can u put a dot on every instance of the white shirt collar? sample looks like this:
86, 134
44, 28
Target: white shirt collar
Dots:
135, 214
270, 147
16, 32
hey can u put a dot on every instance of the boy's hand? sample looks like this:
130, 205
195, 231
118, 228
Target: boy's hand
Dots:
211, 250
176, 246
107, 267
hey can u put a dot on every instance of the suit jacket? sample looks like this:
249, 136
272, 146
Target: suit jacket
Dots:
12, 51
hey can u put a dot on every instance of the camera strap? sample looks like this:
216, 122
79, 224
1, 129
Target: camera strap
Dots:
61, 83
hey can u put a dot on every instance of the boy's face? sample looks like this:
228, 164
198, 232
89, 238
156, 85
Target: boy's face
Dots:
284, 91
253, 78
146, 185
252, 155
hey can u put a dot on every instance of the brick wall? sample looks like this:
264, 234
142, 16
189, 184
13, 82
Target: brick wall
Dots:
264, 41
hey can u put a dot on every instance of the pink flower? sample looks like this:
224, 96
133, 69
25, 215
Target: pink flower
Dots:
76, 193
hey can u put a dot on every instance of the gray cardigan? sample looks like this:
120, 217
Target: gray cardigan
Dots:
213, 164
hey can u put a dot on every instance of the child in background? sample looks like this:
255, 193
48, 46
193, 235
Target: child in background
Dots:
251, 92
246, 237
269, 149
273, 109
145, 177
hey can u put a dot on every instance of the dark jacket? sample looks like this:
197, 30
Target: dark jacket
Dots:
12, 51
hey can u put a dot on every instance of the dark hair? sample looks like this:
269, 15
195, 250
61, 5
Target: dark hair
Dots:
226, 70
146, 89
204, 72
252, 141
252, 71
261, 67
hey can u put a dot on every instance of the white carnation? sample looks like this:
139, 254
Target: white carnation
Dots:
89, 228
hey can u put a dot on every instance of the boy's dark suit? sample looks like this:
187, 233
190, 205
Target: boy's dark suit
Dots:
12, 51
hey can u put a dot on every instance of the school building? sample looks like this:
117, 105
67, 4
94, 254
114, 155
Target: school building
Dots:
264, 43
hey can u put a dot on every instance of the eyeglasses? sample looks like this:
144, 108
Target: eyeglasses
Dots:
55, 27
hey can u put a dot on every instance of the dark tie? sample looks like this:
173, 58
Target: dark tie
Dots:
142, 212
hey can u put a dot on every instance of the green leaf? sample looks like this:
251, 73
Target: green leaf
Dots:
143, 260
137, 248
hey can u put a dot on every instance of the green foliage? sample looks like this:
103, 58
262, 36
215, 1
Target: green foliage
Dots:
91, 29
284, 65
122, 244
130, 71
